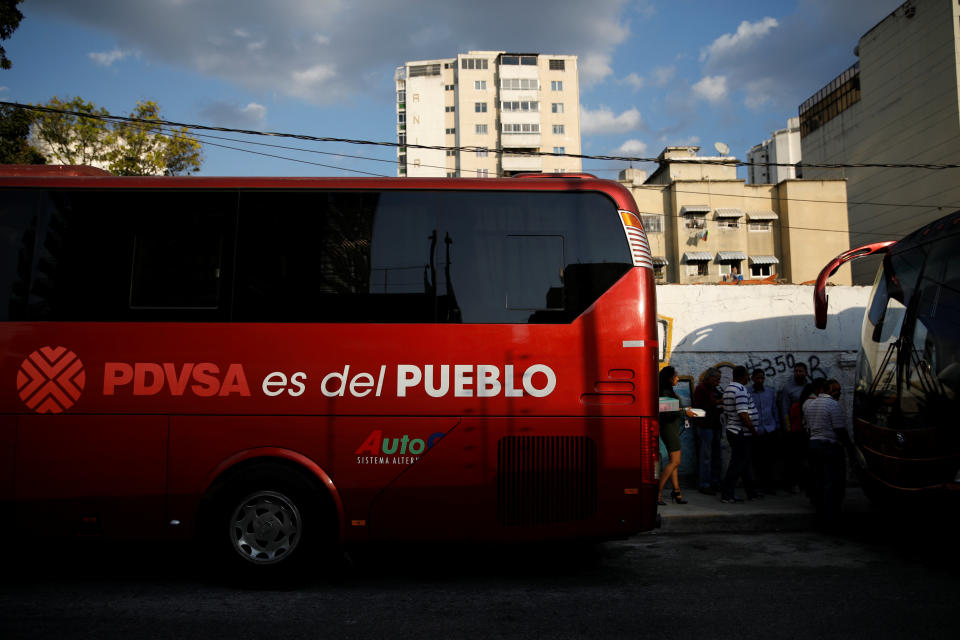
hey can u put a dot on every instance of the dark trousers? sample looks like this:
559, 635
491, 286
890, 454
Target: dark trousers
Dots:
741, 465
766, 460
795, 459
828, 478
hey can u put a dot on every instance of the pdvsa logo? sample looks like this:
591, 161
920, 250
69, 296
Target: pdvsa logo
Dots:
51, 380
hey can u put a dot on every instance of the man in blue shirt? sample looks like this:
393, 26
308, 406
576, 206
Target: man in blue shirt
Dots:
766, 446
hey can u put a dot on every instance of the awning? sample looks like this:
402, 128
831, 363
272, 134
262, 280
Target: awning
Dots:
657, 260
695, 209
764, 260
762, 215
731, 255
729, 213
698, 256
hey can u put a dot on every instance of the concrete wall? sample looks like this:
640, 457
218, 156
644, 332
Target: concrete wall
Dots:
763, 326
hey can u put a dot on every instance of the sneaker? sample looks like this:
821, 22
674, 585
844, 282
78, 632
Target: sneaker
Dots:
727, 500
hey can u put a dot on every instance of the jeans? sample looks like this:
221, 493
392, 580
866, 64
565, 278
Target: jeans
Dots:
741, 465
709, 453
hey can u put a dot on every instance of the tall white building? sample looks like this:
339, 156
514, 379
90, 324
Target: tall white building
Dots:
522, 103
774, 160
899, 104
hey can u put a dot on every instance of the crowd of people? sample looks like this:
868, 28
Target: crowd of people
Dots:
790, 439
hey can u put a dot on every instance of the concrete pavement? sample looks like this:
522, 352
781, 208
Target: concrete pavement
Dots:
781, 512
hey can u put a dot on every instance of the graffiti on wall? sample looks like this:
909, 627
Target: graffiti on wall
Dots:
782, 364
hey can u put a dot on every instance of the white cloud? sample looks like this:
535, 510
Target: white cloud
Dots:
747, 33
711, 88
336, 46
603, 120
634, 81
594, 67
224, 114
663, 75
107, 58
632, 147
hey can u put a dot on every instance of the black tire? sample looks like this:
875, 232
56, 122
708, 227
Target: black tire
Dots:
270, 526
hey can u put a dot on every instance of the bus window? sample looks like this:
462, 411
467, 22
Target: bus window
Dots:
17, 235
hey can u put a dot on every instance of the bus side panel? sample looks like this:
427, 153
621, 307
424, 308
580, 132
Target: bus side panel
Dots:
92, 474
8, 444
361, 455
520, 478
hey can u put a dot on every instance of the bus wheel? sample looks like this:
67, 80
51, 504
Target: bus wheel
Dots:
270, 525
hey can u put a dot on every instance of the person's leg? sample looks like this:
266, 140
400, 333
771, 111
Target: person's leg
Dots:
735, 468
706, 456
749, 484
668, 471
716, 459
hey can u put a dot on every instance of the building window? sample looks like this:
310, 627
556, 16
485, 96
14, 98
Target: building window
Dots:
559, 149
450, 109
699, 268
483, 173
424, 70
473, 63
760, 225
652, 223
526, 84
448, 65
520, 105
450, 131
482, 152
558, 129
521, 60
402, 139
556, 107
731, 270
556, 85
451, 152
480, 107
557, 65
525, 127
401, 96
481, 129
480, 85
448, 87
402, 117
451, 174
695, 221
659, 273
725, 224
759, 270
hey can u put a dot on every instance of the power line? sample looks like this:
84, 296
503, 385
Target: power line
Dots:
295, 136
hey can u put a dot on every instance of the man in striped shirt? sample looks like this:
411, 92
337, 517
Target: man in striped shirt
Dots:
828, 436
741, 415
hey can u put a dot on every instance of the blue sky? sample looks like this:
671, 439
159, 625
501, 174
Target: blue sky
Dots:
653, 73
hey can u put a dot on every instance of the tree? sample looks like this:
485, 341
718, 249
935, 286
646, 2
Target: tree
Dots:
143, 147
15, 146
10, 18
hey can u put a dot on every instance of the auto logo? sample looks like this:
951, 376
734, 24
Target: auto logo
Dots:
51, 380
900, 439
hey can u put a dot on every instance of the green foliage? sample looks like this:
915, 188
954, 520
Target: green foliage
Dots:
10, 18
15, 147
141, 148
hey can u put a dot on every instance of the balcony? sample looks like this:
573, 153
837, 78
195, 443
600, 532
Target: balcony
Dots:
520, 140
511, 162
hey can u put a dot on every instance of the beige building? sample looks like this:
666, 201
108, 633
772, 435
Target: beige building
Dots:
488, 100
899, 104
705, 226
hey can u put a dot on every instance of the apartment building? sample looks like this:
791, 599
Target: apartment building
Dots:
706, 226
500, 109
774, 160
898, 104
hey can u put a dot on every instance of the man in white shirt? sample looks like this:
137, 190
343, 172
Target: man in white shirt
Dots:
741, 415
828, 436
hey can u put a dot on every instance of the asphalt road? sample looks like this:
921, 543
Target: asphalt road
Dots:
875, 579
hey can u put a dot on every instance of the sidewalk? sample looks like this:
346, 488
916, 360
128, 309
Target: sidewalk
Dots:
781, 512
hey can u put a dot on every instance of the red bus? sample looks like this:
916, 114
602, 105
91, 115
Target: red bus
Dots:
907, 394
283, 366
